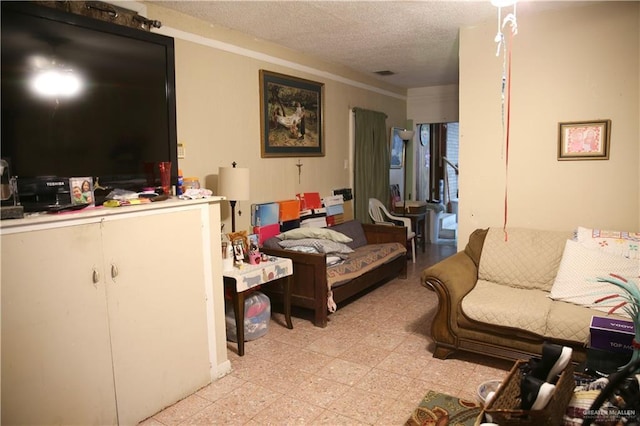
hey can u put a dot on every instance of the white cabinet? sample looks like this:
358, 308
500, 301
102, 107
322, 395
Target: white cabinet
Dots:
156, 306
56, 355
106, 321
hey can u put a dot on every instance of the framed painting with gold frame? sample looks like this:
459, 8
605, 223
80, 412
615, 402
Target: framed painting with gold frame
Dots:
291, 116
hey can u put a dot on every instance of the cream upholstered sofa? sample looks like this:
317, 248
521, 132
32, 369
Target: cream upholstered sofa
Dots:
494, 297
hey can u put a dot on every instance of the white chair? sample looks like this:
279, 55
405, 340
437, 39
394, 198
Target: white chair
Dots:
380, 215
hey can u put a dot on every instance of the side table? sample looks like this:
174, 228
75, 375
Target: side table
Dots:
239, 280
419, 224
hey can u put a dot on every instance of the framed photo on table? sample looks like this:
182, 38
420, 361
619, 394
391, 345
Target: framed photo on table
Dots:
239, 238
291, 116
238, 250
584, 140
254, 243
81, 190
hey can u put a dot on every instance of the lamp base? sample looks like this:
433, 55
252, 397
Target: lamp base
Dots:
233, 215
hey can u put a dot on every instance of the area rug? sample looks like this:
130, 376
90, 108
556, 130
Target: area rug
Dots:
439, 409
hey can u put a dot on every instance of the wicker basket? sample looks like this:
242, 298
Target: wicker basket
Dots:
504, 408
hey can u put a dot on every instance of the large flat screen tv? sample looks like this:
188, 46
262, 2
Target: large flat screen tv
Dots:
120, 122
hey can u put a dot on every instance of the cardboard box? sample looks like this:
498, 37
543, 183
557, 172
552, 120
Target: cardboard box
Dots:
289, 225
348, 210
316, 222
289, 210
307, 215
346, 193
332, 200
335, 209
611, 334
266, 232
335, 219
309, 200
265, 214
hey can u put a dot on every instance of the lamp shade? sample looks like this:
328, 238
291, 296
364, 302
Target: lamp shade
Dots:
406, 135
233, 183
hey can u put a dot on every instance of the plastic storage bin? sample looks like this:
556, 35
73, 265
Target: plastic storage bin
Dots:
257, 313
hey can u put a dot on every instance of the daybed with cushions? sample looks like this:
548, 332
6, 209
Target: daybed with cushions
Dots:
504, 295
333, 264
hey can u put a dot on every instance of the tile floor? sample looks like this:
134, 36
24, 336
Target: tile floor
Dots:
370, 366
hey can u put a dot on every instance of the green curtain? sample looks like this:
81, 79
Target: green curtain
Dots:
371, 161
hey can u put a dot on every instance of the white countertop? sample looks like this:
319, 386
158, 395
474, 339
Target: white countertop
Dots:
91, 214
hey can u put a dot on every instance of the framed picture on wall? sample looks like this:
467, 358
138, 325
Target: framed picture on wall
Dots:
584, 140
291, 116
396, 148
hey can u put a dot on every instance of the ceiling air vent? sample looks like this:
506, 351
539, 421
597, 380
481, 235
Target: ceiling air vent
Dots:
384, 73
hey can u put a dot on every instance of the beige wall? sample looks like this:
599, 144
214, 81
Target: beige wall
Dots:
435, 104
570, 65
218, 111
426, 105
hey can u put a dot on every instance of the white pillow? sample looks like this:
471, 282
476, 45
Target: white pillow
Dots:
576, 279
327, 234
333, 260
320, 245
615, 242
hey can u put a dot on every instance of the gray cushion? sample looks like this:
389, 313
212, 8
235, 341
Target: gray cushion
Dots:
354, 230
272, 243
320, 245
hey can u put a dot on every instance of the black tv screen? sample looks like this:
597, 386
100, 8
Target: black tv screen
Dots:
119, 124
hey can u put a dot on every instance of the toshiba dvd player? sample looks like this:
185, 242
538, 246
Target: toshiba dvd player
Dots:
44, 193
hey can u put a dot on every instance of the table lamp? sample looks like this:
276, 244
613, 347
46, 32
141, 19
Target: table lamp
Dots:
406, 136
233, 183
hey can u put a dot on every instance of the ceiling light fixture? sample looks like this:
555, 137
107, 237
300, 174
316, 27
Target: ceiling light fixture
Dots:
510, 19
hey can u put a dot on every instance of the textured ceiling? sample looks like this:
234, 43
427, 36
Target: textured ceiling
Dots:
417, 40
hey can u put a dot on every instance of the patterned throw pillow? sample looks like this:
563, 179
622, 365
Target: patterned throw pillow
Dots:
615, 242
576, 281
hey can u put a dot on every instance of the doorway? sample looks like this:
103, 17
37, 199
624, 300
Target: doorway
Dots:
437, 176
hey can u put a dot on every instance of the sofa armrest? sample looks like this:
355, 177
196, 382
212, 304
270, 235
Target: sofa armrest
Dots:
451, 279
378, 234
455, 275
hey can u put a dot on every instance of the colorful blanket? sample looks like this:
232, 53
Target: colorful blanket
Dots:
362, 260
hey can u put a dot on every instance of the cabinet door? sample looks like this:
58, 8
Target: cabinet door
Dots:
56, 357
157, 311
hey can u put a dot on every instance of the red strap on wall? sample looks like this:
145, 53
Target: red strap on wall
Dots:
508, 134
